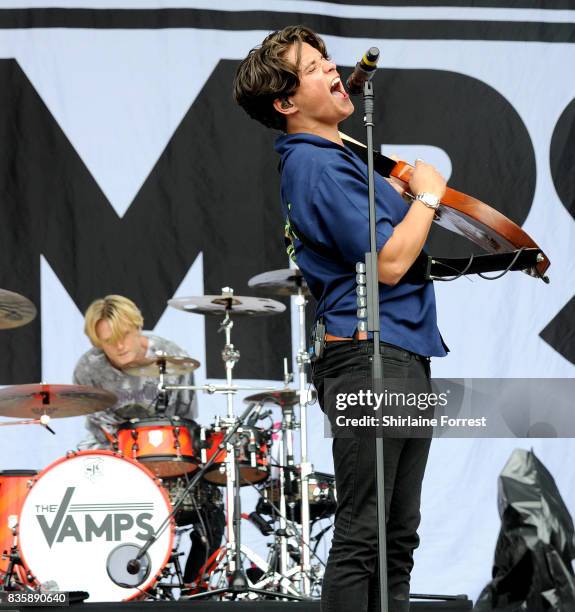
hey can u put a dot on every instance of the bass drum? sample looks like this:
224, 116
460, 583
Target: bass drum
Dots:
82, 508
14, 486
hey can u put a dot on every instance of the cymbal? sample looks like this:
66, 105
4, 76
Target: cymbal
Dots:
57, 401
281, 397
15, 310
174, 366
284, 282
219, 304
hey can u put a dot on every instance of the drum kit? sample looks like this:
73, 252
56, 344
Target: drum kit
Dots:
109, 521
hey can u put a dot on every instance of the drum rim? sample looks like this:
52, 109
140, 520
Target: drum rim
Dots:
8, 473
141, 423
169, 459
84, 453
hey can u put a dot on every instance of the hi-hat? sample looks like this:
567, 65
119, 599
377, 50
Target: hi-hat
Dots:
56, 401
236, 305
284, 282
15, 310
281, 397
168, 365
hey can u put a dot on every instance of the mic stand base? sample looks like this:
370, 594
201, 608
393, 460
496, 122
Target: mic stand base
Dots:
239, 589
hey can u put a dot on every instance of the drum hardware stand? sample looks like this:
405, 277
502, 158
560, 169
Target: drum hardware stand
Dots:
238, 580
302, 360
167, 587
14, 560
162, 399
286, 469
286, 454
283, 535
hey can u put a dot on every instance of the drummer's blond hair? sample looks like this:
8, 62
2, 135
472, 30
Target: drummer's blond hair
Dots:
120, 312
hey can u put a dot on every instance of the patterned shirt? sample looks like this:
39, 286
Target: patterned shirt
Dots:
136, 394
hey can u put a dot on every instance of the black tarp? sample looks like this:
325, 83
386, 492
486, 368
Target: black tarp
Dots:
532, 569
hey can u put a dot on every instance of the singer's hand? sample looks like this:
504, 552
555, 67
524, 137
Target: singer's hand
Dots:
408, 238
426, 179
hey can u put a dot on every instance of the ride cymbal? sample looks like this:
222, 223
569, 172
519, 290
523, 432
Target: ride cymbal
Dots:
284, 282
15, 310
168, 365
281, 397
236, 305
57, 401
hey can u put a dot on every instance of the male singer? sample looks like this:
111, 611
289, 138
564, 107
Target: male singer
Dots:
289, 83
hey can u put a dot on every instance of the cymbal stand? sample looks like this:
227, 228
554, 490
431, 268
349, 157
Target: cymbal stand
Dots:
230, 356
162, 399
302, 360
286, 524
238, 583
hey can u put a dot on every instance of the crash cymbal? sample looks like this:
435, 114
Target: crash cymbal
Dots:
280, 282
15, 310
219, 304
57, 401
173, 366
281, 397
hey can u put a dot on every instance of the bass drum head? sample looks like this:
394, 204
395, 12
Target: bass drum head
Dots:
79, 510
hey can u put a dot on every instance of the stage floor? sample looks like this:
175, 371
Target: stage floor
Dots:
244, 606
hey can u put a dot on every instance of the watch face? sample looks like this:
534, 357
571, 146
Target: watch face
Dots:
429, 200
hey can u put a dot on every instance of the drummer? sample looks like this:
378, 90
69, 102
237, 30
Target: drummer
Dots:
114, 326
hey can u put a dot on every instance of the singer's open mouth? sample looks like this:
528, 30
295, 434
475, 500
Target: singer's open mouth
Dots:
337, 89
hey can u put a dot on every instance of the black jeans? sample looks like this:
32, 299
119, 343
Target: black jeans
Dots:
351, 578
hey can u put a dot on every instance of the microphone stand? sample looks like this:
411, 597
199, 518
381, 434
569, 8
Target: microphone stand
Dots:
373, 325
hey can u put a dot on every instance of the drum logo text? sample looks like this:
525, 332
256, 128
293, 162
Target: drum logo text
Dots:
100, 520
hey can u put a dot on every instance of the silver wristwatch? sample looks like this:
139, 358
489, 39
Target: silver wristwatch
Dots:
430, 200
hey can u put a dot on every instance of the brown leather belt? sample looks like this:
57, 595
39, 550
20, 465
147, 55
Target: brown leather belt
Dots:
359, 335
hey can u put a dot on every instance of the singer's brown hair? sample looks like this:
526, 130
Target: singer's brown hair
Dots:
265, 75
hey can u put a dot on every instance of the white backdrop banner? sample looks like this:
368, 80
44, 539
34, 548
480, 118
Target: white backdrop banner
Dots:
126, 168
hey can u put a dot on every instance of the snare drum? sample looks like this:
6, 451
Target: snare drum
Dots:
322, 497
14, 486
165, 444
253, 457
83, 508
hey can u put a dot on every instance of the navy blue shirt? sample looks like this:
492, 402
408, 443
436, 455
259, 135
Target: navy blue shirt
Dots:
324, 188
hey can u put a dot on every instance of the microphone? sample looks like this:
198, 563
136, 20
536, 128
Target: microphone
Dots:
133, 566
260, 522
363, 71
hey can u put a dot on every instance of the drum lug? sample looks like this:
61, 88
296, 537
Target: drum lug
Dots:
177, 446
203, 446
